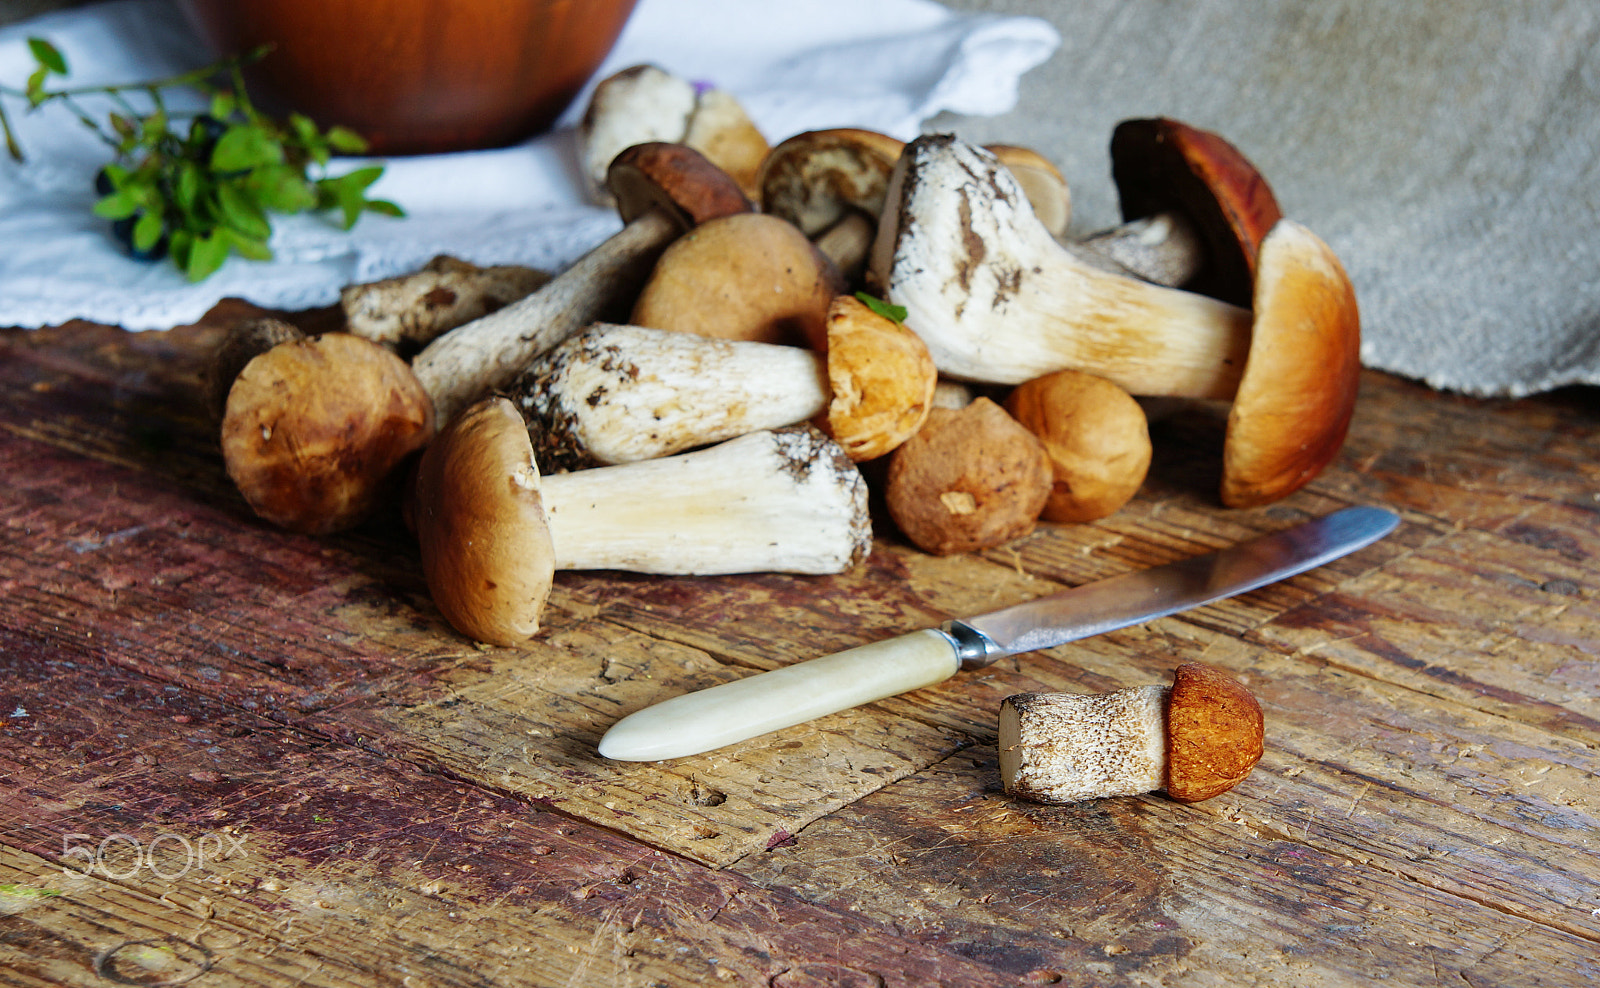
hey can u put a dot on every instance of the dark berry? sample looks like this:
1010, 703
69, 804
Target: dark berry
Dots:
102, 183
122, 230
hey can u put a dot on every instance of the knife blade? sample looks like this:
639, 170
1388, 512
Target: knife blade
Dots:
722, 715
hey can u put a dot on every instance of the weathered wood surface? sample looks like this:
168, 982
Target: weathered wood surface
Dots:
330, 787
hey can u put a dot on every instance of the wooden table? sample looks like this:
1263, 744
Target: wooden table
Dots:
236, 756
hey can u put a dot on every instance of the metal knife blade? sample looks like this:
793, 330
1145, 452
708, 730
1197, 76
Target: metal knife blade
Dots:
711, 718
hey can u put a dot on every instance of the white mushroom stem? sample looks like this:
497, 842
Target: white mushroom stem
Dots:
1066, 747
617, 394
487, 353
786, 501
998, 300
411, 310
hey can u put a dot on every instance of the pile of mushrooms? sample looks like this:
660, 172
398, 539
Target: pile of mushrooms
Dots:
694, 395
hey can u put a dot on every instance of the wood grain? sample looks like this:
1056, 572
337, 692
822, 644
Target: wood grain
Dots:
418, 809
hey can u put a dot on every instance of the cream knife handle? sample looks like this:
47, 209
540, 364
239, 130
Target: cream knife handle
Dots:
710, 718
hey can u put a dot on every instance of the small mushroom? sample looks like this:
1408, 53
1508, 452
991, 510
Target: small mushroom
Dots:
644, 104
1196, 739
1195, 209
245, 340
314, 427
494, 531
1096, 437
748, 276
970, 479
998, 300
617, 394
661, 190
408, 311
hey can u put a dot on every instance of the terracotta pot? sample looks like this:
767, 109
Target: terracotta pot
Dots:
416, 76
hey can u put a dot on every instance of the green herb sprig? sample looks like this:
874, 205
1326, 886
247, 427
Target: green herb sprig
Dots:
896, 313
197, 187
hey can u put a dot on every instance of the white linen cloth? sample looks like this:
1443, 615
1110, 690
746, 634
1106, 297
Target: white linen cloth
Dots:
887, 65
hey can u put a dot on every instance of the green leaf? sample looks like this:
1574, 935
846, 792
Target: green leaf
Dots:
190, 185
223, 104
346, 141
882, 308
119, 205
349, 192
281, 189
47, 55
206, 255
248, 247
241, 212
244, 147
35, 86
147, 230
384, 207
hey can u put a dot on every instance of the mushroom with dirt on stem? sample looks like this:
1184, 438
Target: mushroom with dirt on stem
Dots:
998, 300
313, 416
617, 394
493, 530
1196, 739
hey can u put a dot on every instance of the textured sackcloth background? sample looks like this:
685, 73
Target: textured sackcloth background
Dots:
1447, 149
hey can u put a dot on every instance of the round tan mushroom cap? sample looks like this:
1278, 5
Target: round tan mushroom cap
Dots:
486, 549
814, 179
748, 276
1215, 733
881, 377
970, 479
1298, 391
314, 428
1097, 439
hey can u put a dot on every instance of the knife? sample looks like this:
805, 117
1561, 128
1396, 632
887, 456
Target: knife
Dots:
721, 715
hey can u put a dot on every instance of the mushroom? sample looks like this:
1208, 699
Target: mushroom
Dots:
1096, 437
998, 300
970, 479
832, 184
748, 276
645, 103
314, 427
1196, 739
661, 190
1195, 209
244, 340
408, 311
784, 500
617, 394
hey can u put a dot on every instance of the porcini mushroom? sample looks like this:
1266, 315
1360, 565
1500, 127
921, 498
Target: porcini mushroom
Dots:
970, 479
494, 531
408, 311
748, 276
314, 427
1096, 437
998, 300
617, 394
1196, 739
1195, 209
661, 190
643, 104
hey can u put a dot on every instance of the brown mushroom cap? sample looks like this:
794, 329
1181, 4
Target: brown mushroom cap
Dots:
970, 479
1161, 165
1097, 439
748, 276
881, 378
678, 179
486, 548
1215, 733
1298, 392
246, 340
313, 429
